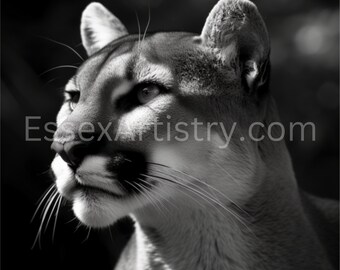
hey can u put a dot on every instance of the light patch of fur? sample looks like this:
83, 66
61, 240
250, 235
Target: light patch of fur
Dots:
64, 177
100, 210
184, 157
95, 210
70, 86
94, 164
142, 120
120, 62
63, 114
147, 71
121, 90
238, 165
169, 155
92, 173
144, 248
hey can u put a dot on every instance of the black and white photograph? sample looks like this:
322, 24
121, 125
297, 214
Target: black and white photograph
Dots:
170, 135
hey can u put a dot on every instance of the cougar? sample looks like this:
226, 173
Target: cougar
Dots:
145, 131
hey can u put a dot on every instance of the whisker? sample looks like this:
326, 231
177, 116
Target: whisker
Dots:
56, 217
159, 190
146, 193
203, 196
226, 172
149, 190
143, 192
44, 172
184, 181
204, 183
87, 236
192, 190
78, 226
50, 81
110, 235
149, 20
58, 67
54, 201
194, 186
71, 220
139, 31
45, 211
134, 195
41, 200
64, 45
185, 193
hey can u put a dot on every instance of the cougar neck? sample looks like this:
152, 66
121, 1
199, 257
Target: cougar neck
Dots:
207, 236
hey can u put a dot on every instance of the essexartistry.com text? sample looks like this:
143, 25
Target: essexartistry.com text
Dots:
167, 131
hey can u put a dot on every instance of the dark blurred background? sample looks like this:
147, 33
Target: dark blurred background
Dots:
305, 69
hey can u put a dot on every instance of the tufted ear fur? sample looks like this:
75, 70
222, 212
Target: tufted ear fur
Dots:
235, 30
99, 27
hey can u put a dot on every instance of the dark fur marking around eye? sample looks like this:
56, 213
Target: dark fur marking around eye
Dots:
129, 101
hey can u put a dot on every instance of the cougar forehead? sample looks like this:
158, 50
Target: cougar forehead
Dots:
176, 59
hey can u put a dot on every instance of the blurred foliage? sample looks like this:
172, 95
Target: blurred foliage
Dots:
305, 69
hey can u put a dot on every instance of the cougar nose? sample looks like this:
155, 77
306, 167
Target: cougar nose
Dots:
71, 152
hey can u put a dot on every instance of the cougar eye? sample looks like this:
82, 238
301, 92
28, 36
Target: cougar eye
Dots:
73, 100
147, 93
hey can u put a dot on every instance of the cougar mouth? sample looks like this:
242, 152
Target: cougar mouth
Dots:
124, 174
87, 190
117, 176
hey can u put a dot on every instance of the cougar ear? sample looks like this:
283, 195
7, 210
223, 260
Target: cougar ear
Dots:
235, 30
99, 27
